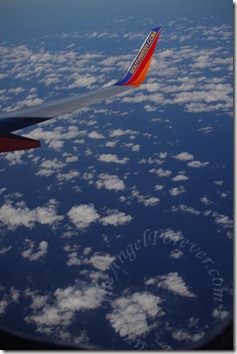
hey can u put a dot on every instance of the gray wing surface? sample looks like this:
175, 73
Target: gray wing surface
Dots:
14, 120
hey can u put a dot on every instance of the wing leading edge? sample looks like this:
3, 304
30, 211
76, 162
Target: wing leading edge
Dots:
12, 121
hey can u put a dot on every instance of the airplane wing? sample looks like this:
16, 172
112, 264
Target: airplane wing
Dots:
14, 120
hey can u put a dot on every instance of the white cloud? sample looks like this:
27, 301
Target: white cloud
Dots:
184, 156
163, 155
147, 201
186, 209
49, 167
111, 182
176, 254
120, 132
32, 253
223, 220
83, 81
172, 282
68, 176
116, 218
3, 306
184, 335
5, 249
95, 135
152, 201
56, 145
101, 262
177, 191
220, 314
61, 310
150, 108
158, 187
171, 235
161, 173
73, 259
20, 215
179, 178
83, 215
15, 158
197, 164
219, 182
112, 158
132, 315
205, 200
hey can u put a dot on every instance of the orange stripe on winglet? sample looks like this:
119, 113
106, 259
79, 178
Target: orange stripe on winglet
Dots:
143, 74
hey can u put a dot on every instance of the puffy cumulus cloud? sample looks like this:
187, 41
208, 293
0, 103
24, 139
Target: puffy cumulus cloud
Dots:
7, 298
95, 135
186, 209
171, 282
161, 172
83, 81
32, 253
223, 220
112, 158
15, 158
163, 155
150, 108
176, 254
101, 261
49, 167
219, 182
171, 235
111, 182
133, 147
184, 156
56, 145
59, 133
38, 301
147, 201
205, 200
220, 314
5, 249
177, 191
158, 187
2, 190
197, 164
20, 215
69, 176
184, 335
3, 306
73, 259
119, 132
83, 215
31, 100
152, 201
180, 177
62, 308
134, 315
116, 218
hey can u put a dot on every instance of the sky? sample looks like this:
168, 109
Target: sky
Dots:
118, 231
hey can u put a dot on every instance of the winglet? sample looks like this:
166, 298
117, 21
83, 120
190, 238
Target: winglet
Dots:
137, 71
